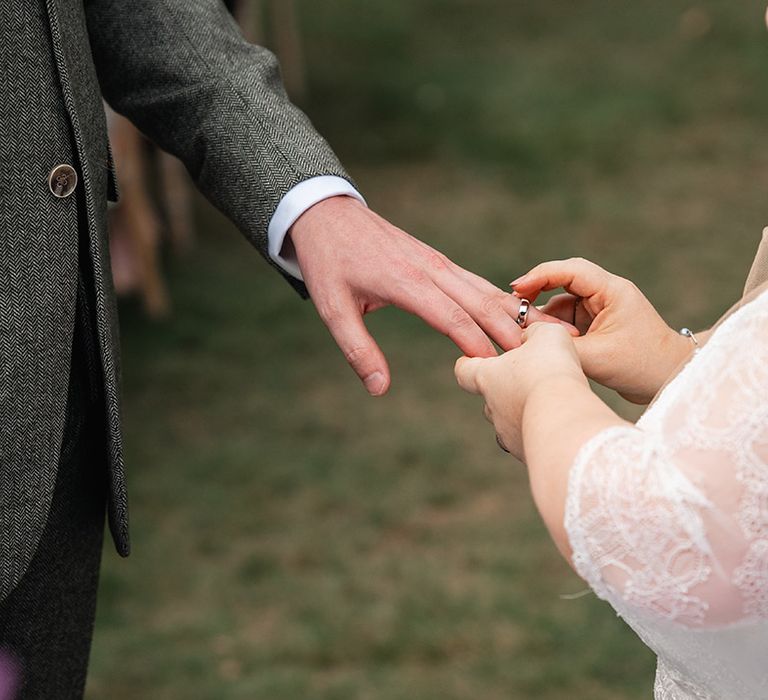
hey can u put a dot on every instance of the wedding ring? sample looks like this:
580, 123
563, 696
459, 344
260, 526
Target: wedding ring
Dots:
575, 309
501, 444
522, 313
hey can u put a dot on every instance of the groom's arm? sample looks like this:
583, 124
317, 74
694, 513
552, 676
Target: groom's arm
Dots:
181, 71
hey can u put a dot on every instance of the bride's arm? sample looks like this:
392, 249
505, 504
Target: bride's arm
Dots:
560, 416
670, 517
543, 410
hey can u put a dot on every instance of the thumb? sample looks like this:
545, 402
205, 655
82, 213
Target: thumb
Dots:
592, 353
534, 329
467, 371
345, 322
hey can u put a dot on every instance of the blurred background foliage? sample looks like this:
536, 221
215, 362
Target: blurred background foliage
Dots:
295, 539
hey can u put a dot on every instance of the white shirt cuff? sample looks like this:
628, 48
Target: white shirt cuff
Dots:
298, 199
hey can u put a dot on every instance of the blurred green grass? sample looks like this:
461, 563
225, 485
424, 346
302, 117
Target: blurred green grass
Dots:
295, 539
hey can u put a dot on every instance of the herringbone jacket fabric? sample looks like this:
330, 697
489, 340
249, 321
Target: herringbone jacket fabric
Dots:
180, 70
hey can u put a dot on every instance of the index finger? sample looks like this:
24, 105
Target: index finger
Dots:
344, 320
577, 276
433, 305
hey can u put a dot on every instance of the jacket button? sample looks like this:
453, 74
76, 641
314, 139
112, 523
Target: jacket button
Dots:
62, 180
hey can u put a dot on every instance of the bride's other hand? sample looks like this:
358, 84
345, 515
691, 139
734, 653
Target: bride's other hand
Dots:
625, 344
547, 356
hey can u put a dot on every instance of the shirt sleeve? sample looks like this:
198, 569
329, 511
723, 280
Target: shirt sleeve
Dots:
296, 201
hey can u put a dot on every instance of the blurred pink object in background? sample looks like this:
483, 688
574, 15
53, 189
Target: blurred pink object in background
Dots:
10, 675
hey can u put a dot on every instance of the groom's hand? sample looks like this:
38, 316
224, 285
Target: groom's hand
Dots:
355, 262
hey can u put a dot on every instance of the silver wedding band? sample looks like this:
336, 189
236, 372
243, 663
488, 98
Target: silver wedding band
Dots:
522, 313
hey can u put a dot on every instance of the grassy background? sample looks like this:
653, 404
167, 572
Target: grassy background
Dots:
295, 539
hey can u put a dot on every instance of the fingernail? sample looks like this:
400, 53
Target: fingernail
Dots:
513, 283
374, 383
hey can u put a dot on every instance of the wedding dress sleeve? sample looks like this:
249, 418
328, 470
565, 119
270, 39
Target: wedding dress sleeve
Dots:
668, 519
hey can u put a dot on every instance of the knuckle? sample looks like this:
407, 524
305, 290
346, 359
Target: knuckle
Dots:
414, 274
624, 283
436, 261
356, 355
483, 383
491, 304
459, 318
327, 310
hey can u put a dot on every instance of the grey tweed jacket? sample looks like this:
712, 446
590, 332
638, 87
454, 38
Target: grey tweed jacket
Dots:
181, 71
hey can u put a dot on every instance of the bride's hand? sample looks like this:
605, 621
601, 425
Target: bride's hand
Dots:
626, 345
547, 354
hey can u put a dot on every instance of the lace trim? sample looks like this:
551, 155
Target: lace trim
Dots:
619, 520
644, 503
752, 580
670, 685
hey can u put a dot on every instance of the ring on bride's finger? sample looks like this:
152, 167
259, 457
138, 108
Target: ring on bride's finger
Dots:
501, 444
522, 312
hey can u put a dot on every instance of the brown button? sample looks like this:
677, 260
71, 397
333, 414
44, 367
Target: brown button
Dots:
62, 180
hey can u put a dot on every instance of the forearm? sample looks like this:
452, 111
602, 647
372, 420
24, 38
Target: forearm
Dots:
561, 414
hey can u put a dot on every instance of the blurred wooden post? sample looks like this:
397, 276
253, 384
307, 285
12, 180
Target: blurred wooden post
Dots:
287, 40
284, 32
134, 224
249, 15
285, 35
174, 185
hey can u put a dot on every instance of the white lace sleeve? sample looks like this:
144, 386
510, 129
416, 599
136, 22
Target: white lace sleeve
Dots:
669, 519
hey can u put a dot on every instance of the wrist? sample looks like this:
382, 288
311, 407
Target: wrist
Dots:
565, 407
557, 385
656, 369
321, 215
674, 350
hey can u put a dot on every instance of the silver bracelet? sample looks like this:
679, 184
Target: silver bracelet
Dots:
688, 333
